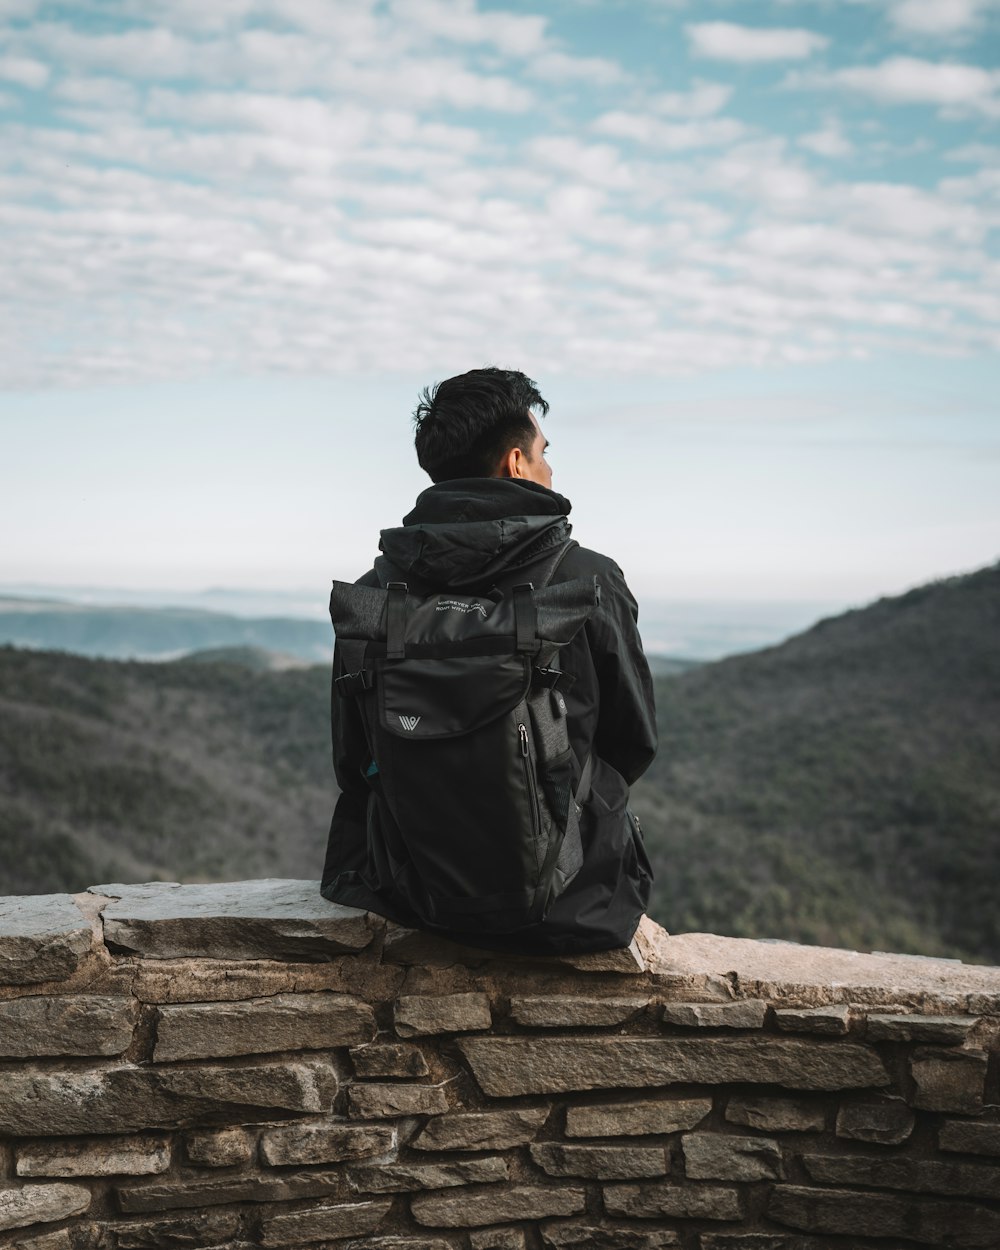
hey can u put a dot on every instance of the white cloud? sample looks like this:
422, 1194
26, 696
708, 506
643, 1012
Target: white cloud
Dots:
830, 141
909, 80
703, 100
937, 17
726, 41
558, 67
460, 21
24, 71
671, 136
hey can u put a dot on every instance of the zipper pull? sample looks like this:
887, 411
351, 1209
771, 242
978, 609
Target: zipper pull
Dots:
523, 735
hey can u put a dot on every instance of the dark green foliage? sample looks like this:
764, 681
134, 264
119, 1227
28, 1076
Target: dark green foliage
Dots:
843, 788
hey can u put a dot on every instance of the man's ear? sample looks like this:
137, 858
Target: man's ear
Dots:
512, 464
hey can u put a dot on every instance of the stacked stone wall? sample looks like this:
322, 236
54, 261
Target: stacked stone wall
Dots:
240, 1066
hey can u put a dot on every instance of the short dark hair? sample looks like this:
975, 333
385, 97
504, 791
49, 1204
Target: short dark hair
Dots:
467, 424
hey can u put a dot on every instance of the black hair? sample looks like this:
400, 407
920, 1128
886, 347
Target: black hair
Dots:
466, 425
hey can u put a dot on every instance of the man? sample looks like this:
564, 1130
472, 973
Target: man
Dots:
491, 512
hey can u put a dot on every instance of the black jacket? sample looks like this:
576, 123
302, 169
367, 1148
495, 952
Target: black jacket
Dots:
463, 534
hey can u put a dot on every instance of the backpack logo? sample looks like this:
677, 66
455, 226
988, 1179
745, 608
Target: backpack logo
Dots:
409, 722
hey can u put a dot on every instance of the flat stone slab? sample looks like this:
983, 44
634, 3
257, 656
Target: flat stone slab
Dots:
70, 1024
508, 1066
43, 937
270, 919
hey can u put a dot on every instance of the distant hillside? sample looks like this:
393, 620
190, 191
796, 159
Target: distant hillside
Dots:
154, 633
127, 771
843, 787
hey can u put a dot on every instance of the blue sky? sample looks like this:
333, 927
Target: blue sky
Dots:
748, 251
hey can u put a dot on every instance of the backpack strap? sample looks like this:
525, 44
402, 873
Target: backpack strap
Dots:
525, 618
395, 621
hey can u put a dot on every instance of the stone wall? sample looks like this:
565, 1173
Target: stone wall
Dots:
247, 1065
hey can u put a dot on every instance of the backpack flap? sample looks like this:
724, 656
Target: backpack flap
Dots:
441, 698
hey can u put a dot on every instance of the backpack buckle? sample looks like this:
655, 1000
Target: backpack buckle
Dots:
354, 683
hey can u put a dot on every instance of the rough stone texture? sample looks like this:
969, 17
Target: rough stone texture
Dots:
745, 1015
959, 1180
108, 1156
485, 1130
423, 1014
698, 1202
215, 1190
888, 1122
237, 920
856, 1214
604, 1163
228, 980
296, 1144
763, 1241
727, 1157
58, 1240
510, 1066
322, 1223
71, 1024
128, 1098
388, 1059
777, 1115
385, 1178
894, 1027
192, 1229
833, 1020
949, 1080
254, 1027
496, 1206
589, 1236
41, 1204
378, 1101
635, 1119
42, 938
218, 1148
565, 1012
979, 1139
496, 1239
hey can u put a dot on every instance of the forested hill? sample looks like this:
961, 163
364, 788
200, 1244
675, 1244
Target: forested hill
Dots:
844, 787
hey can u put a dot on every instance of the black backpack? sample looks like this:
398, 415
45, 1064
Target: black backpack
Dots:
461, 698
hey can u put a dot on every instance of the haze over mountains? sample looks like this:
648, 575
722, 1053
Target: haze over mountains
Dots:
840, 788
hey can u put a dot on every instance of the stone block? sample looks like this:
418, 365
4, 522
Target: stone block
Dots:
681, 1202
296, 1144
258, 1025
591, 1236
496, 1239
72, 1024
43, 937
58, 1240
564, 1012
107, 1156
887, 1122
833, 1020
891, 1027
218, 1148
728, 1157
777, 1115
193, 1230
510, 1066
323, 1223
216, 1190
278, 920
949, 1080
497, 1206
976, 1139
636, 1119
388, 1059
958, 1180
481, 1130
748, 1013
41, 1204
763, 1241
387, 1178
372, 1102
418, 1015
852, 1213
605, 1163
130, 1099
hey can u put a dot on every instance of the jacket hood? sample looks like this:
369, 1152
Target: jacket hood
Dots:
468, 530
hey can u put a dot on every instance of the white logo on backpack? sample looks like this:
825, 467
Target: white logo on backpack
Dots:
409, 722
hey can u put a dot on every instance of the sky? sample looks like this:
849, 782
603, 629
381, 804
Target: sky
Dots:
749, 253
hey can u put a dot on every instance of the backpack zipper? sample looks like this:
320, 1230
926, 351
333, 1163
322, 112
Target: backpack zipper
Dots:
529, 776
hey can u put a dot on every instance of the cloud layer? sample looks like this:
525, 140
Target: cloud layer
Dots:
310, 186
